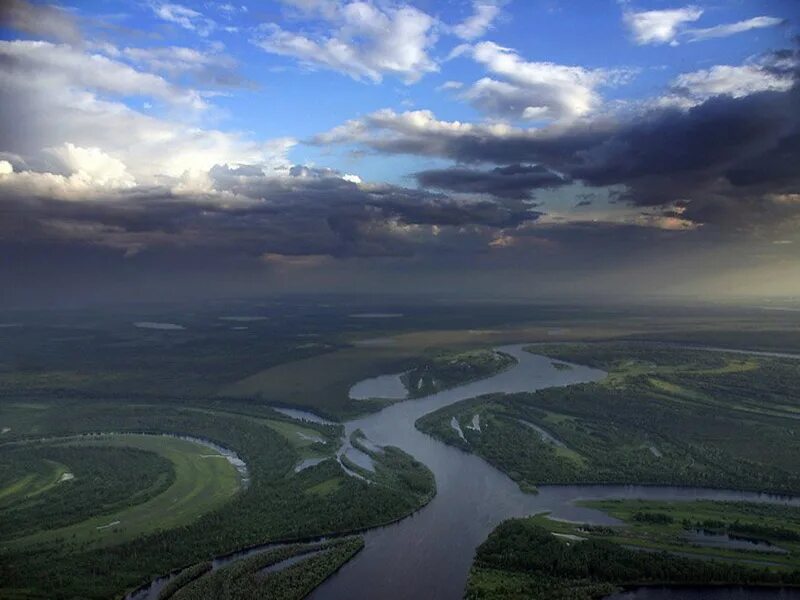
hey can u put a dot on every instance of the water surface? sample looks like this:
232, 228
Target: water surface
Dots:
388, 387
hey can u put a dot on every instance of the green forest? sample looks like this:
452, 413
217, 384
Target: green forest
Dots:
523, 559
278, 504
252, 579
661, 416
445, 370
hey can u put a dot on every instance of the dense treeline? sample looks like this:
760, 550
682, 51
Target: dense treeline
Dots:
246, 579
184, 578
449, 369
657, 518
523, 560
395, 469
278, 505
651, 422
299, 580
98, 480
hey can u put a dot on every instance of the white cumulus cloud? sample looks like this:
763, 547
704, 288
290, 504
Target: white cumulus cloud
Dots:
185, 17
66, 121
534, 90
477, 24
728, 29
735, 81
64, 66
659, 26
364, 41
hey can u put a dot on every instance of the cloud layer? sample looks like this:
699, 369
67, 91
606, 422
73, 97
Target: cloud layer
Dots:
719, 146
119, 155
365, 41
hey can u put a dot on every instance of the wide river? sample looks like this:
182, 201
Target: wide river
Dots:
428, 554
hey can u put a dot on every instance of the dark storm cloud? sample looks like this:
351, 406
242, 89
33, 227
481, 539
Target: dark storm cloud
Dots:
310, 212
685, 149
729, 156
513, 181
43, 20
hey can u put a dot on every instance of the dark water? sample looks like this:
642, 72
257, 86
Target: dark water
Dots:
707, 593
428, 555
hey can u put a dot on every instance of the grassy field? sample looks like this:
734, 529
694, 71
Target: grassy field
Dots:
390, 352
44, 476
102, 354
82, 481
204, 480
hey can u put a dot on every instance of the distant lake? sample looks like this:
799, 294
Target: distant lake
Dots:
156, 325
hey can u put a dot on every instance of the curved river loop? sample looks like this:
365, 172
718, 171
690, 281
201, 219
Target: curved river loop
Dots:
428, 554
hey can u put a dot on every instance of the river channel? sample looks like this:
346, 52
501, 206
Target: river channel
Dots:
428, 554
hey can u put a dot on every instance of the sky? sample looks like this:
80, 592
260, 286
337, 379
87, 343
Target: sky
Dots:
491, 148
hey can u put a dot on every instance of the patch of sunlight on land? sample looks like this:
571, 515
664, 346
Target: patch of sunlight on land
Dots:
633, 368
35, 483
297, 435
568, 453
674, 389
201, 485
